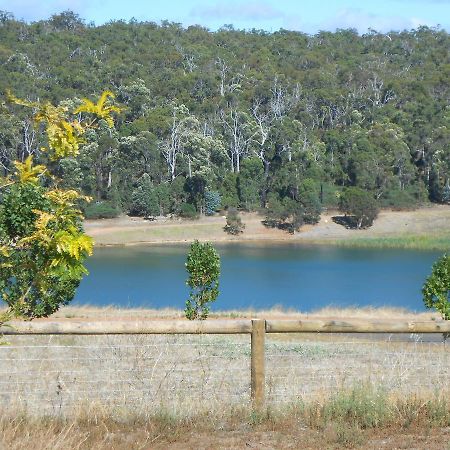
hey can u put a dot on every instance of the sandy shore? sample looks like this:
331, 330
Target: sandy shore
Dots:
125, 230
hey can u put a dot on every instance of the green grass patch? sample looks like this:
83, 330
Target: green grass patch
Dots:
439, 242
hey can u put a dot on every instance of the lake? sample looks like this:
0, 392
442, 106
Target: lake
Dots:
260, 276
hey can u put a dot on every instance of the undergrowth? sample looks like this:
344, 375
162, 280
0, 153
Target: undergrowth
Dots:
343, 420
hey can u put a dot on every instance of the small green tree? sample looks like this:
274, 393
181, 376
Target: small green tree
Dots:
203, 266
360, 205
234, 222
144, 199
436, 290
212, 202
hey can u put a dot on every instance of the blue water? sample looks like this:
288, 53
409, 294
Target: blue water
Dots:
256, 276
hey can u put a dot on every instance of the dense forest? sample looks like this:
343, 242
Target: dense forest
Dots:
281, 121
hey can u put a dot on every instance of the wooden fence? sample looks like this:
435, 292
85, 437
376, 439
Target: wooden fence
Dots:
257, 328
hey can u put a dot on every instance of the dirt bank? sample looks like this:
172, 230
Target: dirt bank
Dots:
125, 230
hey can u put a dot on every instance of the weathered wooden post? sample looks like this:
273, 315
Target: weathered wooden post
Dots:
258, 362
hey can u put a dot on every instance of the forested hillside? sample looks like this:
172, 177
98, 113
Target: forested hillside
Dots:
281, 120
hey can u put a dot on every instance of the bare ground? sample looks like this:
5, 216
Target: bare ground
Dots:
132, 230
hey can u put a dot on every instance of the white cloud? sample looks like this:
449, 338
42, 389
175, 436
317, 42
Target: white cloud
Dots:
362, 21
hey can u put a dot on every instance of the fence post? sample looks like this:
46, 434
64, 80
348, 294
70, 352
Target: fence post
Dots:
258, 362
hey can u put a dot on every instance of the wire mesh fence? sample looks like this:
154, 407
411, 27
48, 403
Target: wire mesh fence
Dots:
312, 368
55, 375
178, 373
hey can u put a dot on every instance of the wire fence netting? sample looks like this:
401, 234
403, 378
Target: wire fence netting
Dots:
49, 375
317, 367
55, 375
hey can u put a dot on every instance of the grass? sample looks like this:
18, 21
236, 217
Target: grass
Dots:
348, 419
119, 313
439, 242
121, 392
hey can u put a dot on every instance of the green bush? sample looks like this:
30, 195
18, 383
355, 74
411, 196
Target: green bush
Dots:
308, 194
212, 202
285, 214
360, 205
436, 290
401, 200
203, 266
234, 222
101, 210
188, 211
145, 198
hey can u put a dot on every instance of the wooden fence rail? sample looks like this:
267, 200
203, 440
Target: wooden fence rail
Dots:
257, 328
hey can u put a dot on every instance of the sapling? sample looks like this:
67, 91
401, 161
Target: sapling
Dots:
203, 266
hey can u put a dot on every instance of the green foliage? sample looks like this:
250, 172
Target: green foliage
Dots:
145, 198
18, 209
446, 194
101, 210
41, 260
308, 194
188, 211
250, 183
195, 118
400, 200
436, 290
203, 266
286, 214
212, 202
42, 244
229, 191
234, 222
360, 205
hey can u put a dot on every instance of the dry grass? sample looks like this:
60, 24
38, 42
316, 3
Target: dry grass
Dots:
182, 392
359, 418
113, 313
425, 228
185, 374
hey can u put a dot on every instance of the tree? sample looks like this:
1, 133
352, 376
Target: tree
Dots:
285, 213
308, 195
212, 202
250, 183
203, 266
145, 198
436, 290
234, 222
42, 244
360, 205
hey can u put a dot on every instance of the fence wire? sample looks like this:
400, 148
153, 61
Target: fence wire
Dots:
55, 375
306, 369
48, 375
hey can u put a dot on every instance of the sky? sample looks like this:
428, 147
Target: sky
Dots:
300, 15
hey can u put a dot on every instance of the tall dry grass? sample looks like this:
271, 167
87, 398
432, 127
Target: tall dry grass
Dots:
346, 419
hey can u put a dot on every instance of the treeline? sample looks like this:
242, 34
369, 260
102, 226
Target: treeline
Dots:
282, 121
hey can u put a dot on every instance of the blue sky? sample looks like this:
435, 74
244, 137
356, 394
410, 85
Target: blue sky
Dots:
303, 15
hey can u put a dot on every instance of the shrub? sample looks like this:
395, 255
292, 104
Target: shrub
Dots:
144, 199
203, 266
101, 210
308, 194
446, 194
436, 290
401, 200
285, 214
188, 211
212, 202
234, 222
360, 205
